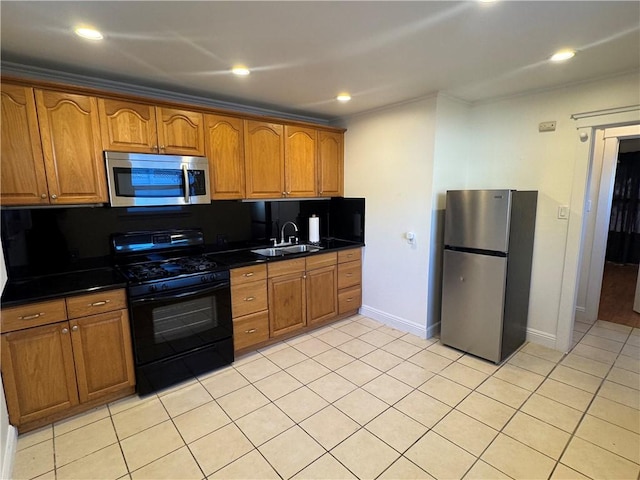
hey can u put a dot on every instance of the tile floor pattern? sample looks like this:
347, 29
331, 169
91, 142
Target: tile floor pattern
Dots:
358, 399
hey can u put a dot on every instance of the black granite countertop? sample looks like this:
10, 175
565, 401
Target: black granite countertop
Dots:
45, 287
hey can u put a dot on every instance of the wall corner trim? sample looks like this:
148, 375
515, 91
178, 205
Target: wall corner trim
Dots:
9, 453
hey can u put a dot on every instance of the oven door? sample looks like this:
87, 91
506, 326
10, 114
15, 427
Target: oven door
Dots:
172, 324
148, 180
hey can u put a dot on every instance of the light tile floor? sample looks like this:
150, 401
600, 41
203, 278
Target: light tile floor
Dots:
358, 399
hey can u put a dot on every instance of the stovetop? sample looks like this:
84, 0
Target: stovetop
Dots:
150, 270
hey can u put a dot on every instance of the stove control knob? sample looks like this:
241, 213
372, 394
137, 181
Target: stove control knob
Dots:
164, 286
153, 288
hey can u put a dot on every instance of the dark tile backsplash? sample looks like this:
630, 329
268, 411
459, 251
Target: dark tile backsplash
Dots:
50, 240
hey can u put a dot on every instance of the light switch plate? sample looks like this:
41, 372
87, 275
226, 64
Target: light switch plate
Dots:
563, 212
547, 126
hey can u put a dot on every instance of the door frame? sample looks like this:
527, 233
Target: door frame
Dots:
606, 145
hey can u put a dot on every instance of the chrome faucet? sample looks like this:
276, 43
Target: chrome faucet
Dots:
282, 242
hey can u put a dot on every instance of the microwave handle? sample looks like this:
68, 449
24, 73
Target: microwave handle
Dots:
185, 176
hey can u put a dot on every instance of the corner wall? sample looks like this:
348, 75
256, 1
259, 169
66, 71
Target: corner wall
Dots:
389, 161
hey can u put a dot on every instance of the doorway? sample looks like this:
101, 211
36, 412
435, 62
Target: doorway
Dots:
622, 256
596, 234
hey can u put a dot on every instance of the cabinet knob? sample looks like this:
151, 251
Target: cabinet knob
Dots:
74, 328
161, 147
54, 196
43, 196
155, 148
284, 194
65, 330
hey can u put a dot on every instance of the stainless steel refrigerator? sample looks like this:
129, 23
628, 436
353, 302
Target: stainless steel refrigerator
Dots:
488, 248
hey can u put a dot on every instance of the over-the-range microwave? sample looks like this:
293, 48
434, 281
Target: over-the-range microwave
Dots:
143, 179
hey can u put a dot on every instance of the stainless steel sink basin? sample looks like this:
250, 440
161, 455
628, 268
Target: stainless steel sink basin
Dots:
279, 251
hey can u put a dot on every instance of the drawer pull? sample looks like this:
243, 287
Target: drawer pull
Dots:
350, 299
250, 274
249, 299
32, 317
99, 304
349, 274
251, 330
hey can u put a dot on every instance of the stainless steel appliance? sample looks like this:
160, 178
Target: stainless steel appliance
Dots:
179, 305
488, 239
141, 179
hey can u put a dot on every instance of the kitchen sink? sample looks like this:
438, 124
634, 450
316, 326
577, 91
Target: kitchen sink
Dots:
279, 251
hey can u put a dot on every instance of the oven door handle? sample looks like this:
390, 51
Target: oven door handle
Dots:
169, 295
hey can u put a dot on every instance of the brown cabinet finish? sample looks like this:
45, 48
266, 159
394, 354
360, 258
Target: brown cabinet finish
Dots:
330, 164
224, 147
180, 131
248, 298
23, 180
51, 370
102, 353
322, 294
128, 126
72, 149
349, 299
250, 330
287, 303
38, 372
248, 274
264, 159
349, 274
300, 151
349, 281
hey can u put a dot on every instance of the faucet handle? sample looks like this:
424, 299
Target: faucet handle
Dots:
273, 241
293, 239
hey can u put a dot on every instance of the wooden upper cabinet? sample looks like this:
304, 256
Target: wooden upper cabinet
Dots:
180, 131
224, 142
300, 161
128, 126
139, 127
264, 159
330, 164
70, 133
23, 180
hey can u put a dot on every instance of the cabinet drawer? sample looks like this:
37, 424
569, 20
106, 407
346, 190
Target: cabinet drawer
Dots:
248, 274
286, 267
349, 255
108, 301
321, 260
33, 315
349, 299
349, 274
250, 330
248, 298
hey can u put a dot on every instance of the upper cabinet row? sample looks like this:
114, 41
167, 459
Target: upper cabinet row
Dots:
52, 144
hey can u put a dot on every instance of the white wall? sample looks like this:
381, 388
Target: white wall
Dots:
402, 160
389, 161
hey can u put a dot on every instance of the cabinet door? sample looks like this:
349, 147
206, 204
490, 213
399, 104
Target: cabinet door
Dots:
264, 159
38, 373
70, 132
322, 294
330, 164
300, 162
287, 305
23, 180
128, 126
225, 150
102, 352
180, 131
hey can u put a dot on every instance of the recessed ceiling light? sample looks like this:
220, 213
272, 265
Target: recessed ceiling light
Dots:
89, 33
343, 97
562, 55
240, 70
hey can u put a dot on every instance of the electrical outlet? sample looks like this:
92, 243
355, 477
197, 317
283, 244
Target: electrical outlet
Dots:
547, 127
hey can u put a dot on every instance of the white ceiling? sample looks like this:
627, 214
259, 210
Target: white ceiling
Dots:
302, 54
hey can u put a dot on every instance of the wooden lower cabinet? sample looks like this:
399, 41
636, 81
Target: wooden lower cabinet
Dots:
322, 288
38, 372
50, 370
250, 330
287, 303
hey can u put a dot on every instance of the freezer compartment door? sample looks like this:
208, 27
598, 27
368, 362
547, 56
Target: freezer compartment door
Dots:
473, 303
478, 219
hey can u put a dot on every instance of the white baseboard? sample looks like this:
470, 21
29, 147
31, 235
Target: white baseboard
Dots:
9, 452
394, 322
541, 338
433, 330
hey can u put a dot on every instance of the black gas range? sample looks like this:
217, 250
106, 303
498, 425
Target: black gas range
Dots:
180, 306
